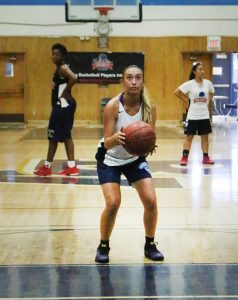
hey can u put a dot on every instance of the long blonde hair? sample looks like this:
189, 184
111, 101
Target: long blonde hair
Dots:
146, 106
146, 103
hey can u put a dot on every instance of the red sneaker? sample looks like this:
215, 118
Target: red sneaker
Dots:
69, 171
43, 171
207, 161
184, 161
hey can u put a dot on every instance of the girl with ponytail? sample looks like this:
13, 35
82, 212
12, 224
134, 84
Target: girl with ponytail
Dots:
130, 106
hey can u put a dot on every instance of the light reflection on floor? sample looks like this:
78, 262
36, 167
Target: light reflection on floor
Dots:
49, 227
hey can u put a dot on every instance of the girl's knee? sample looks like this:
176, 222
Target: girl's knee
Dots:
150, 203
113, 204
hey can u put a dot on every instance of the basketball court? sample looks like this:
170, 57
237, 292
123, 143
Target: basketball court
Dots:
49, 227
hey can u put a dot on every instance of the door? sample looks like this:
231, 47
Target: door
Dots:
12, 78
222, 81
188, 60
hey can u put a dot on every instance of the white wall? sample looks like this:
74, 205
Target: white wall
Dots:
157, 21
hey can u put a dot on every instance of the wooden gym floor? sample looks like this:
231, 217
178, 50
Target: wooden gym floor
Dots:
49, 227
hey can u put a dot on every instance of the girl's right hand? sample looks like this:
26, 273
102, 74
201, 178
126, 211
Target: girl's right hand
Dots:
119, 137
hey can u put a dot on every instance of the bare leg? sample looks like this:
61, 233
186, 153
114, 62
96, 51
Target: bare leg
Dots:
51, 150
69, 148
112, 195
188, 142
204, 143
205, 148
146, 191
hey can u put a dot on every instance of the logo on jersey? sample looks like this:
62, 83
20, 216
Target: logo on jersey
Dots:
102, 63
145, 166
201, 98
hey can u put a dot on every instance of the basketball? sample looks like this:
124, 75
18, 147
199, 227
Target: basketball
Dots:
140, 138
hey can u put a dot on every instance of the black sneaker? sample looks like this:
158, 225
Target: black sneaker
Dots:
102, 254
152, 252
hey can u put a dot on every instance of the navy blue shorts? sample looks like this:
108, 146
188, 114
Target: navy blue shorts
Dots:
133, 172
61, 122
199, 127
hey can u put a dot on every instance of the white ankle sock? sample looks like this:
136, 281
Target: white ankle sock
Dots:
71, 163
47, 164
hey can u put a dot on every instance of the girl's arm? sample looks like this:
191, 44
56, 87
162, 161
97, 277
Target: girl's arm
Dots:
112, 138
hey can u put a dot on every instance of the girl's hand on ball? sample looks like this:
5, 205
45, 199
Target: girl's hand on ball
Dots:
120, 138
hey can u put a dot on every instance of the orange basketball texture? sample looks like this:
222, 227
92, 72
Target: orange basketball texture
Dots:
140, 138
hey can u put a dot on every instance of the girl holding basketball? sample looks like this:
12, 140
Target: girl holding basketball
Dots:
113, 160
199, 91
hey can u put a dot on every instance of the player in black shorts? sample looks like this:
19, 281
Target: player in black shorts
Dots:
200, 92
62, 114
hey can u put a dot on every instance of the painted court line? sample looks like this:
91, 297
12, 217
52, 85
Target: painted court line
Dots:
130, 297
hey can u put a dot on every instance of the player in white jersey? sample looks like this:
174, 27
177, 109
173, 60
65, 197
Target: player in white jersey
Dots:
197, 93
113, 160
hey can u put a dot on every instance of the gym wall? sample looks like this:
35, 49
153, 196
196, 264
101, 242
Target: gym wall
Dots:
163, 71
170, 31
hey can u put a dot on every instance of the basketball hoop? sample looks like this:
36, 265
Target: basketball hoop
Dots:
103, 10
115, 11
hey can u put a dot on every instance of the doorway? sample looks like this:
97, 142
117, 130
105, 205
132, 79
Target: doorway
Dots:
225, 80
12, 83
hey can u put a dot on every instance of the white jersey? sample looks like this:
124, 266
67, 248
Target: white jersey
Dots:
198, 93
118, 156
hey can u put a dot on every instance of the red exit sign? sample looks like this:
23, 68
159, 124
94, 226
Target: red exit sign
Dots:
213, 43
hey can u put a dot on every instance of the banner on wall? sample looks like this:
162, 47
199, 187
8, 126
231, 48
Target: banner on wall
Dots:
102, 67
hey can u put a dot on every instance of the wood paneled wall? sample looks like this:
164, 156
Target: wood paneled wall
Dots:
163, 71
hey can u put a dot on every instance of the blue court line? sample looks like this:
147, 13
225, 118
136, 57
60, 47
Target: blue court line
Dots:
136, 281
95, 265
144, 2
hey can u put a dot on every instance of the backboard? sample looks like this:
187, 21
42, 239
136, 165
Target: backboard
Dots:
87, 10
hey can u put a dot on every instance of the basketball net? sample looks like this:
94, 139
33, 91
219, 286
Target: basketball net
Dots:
103, 13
